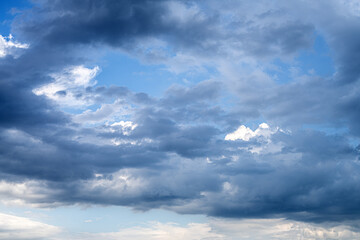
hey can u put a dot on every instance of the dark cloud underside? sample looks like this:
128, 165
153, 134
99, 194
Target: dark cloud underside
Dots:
176, 158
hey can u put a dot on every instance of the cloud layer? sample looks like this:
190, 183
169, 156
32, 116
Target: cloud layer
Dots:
66, 138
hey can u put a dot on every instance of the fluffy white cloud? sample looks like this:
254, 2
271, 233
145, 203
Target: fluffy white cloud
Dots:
126, 127
16, 228
262, 134
244, 133
68, 85
8, 46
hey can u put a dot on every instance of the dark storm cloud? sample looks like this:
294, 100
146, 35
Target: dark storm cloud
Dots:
57, 158
124, 24
118, 24
90, 21
19, 106
177, 158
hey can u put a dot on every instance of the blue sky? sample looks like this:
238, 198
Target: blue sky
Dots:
179, 119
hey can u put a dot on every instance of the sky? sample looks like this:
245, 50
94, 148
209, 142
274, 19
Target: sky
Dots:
164, 119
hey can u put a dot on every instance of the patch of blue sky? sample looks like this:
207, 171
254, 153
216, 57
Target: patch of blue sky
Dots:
316, 61
8, 10
79, 109
79, 218
279, 71
123, 70
72, 110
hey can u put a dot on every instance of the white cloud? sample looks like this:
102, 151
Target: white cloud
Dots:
244, 133
26, 193
160, 231
277, 228
126, 127
14, 228
68, 85
121, 184
120, 141
223, 229
99, 115
106, 113
262, 134
9, 47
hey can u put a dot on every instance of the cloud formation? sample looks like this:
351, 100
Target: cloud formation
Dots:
8, 46
116, 146
16, 228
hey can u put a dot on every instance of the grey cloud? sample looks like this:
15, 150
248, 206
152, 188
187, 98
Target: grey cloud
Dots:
119, 24
205, 33
204, 91
320, 180
278, 40
176, 157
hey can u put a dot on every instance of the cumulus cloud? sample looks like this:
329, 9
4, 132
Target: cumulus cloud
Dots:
244, 133
125, 126
262, 134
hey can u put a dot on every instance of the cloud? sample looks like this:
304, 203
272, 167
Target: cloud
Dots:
16, 228
126, 126
276, 228
67, 87
159, 231
220, 229
9, 47
105, 113
13, 193
187, 168
244, 133
176, 157
262, 134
